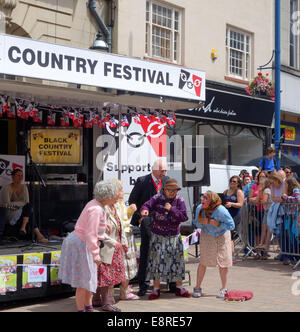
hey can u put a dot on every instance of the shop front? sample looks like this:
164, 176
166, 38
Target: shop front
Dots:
236, 127
57, 103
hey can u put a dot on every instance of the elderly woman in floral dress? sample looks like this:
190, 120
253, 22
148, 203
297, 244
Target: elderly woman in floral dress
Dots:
166, 261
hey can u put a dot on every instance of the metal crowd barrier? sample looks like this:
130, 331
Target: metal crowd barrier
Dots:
260, 230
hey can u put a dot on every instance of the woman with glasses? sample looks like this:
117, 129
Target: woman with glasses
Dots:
215, 223
288, 171
234, 200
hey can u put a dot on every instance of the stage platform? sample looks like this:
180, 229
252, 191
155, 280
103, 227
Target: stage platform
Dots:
29, 270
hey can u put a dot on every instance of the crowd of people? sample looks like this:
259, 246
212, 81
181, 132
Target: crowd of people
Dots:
100, 254
102, 244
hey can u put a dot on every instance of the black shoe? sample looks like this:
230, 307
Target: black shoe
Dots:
22, 235
142, 292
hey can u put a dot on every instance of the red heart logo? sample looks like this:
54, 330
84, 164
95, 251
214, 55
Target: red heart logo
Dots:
41, 271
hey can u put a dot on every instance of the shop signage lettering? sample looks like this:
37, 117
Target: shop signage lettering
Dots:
210, 109
41, 60
226, 106
53, 60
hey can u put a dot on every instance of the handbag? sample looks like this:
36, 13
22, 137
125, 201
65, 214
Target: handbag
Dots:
238, 296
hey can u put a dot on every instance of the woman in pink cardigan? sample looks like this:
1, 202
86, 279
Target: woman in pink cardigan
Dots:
80, 250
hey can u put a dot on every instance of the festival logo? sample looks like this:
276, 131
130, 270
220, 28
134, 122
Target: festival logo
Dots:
190, 83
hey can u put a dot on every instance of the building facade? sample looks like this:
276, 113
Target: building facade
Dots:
227, 40
290, 76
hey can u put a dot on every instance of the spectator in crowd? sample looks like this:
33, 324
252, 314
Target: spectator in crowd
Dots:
215, 240
289, 234
80, 250
277, 180
111, 270
234, 200
288, 171
242, 173
125, 214
264, 197
268, 162
166, 261
256, 211
145, 188
247, 184
19, 221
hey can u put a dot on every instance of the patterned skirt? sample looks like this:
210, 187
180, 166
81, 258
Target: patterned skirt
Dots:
166, 261
114, 273
215, 251
130, 258
77, 267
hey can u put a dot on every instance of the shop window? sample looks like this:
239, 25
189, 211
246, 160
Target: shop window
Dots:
163, 32
231, 145
183, 127
238, 49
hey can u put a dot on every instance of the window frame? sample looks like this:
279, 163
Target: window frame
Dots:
175, 52
247, 55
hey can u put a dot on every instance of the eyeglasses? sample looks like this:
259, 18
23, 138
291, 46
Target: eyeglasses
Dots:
233, 181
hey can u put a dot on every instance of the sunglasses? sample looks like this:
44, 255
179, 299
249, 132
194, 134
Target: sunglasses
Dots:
288, 172
233, 181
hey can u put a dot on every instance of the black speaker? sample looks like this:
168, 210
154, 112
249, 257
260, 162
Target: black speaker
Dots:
195, 167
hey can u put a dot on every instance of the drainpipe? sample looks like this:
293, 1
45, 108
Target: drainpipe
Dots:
106, 30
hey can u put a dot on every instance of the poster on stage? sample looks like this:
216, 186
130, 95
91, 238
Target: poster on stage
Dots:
142, 142
56, 146
55, 262
37, 261
8, 274
8, 163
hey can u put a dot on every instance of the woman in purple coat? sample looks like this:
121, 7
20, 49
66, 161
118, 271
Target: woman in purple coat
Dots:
166, 261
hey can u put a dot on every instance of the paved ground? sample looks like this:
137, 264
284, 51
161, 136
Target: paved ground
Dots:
272, 284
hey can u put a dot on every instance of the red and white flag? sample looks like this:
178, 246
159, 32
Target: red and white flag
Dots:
136, 119
4, 104
38, 117
171, 119
51, 118
105, 119
124, 121
19, 109
113, 122
11, 112
64, 119
27, 112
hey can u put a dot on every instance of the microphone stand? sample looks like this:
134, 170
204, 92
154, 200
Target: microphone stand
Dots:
32, 166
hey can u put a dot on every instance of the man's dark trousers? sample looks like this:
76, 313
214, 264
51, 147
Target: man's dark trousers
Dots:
144, 253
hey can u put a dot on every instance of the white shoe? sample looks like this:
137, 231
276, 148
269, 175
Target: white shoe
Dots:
222, 293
